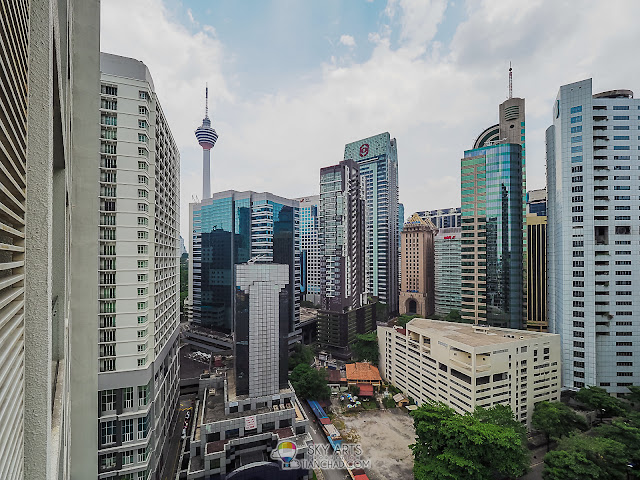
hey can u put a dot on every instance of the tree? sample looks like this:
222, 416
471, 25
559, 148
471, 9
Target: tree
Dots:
310, 383
301, 354
453, 316
453, 446
502, 416
627, 432
365, 348
579, 457
404, 319
599, 399
556, 420
634, 395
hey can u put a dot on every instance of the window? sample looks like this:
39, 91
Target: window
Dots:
142, 333
621, 117
622, 187
143, 138
576, 149
142, 475
142, 292
142, 124
127, 457
142, 455
143, 207
143, 263
142, 110
142, 235
621, 107
127, 430
142, 152
143, 249
578, 139
107, 365
142, 305
143, 221
142, 362
142, 428
621, 167
621, 177
576, 119
107, 461
621, 137
576, 159
108, 104
142, 319
107, 400
143, 95
142, 347
577, 129
143, 179
142, 277
143, 166
142, 193
108, 432
127, 396
577, 109
143, 395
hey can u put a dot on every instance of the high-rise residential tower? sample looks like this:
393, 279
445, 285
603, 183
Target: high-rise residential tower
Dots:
447, 265
207, 138
309, 248
593, 231
48, 246
377, 158
491, 250
417, 283
231, 228
341, 236
139, 296
537, 260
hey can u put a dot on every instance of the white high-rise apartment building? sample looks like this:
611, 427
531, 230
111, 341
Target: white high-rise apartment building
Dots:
593, 150
138, 273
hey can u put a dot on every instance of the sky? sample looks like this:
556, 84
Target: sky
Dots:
291, 82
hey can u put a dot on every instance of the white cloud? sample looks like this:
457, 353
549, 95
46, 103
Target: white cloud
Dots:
347, 40
433, 98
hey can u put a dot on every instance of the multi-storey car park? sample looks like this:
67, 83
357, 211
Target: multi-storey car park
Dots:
467, 365
138, 273
593, 150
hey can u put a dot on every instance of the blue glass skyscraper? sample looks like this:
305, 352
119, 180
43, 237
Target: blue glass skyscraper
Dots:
492, 243
229, 229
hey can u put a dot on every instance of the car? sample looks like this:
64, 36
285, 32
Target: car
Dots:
188, 415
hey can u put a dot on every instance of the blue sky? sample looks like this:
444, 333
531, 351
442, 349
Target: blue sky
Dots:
292, 81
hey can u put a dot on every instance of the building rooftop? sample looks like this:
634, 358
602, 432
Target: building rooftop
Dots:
468, 334
363, 372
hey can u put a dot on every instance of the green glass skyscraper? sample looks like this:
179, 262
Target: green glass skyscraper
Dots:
492, 239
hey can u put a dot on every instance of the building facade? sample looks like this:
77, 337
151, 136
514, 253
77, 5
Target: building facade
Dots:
492, 244
447, 270
593, 232
231, 228
248, 410
417, 267
377, 158
443, 218
537, 260
338, 330
138, 302
309, 249
465, 366
48, 360
341, 238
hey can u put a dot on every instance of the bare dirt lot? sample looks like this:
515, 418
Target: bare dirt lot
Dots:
385, 436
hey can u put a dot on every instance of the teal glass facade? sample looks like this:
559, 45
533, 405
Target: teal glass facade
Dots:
229, 229
492, 238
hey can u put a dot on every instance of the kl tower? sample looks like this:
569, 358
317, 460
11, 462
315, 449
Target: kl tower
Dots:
207, 137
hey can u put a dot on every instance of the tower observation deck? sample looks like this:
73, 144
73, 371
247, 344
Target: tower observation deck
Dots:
207, 137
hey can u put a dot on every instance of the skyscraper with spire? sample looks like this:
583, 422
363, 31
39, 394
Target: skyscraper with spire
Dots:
207, 137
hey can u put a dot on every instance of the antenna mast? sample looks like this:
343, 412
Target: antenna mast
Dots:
510, 81
206, 96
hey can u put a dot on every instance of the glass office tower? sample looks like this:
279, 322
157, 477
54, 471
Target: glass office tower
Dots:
492, 243
231, 228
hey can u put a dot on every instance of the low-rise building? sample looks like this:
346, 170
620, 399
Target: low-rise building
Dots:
363, 374
467, 365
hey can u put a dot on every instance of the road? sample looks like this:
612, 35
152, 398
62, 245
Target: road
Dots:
175, 442
318, 438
